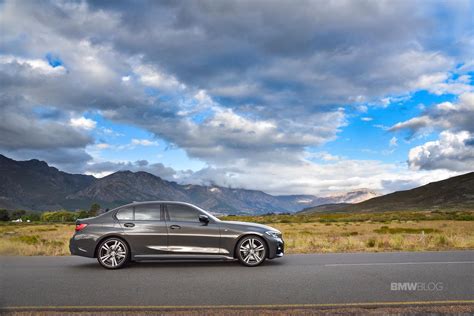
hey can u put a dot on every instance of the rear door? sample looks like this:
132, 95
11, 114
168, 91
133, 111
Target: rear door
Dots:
145, 229
187, 235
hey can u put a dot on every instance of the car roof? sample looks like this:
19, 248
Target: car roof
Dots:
135, 203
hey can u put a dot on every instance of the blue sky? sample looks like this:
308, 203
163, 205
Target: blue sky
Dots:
313, 99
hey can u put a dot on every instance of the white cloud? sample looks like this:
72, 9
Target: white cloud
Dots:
452, 151
82, 122
307, 177
393, 142
144, 142
150, 76
458, 115
39, 66
102, 146
366, 119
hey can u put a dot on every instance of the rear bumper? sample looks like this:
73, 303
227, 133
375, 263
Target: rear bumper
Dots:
78, 246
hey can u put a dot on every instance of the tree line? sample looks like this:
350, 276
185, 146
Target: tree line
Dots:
49, 216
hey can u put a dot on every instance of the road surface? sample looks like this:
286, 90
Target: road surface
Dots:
373, 278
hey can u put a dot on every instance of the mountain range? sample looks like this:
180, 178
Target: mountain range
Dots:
456, 193
34, 185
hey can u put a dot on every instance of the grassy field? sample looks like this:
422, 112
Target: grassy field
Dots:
397, 231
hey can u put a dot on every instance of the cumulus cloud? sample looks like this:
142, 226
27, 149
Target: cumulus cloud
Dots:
233, 86
457, 116
82, 122
452, 151
313, 178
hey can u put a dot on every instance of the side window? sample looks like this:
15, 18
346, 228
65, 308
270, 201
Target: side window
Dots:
182, 213
125, 214
147, 212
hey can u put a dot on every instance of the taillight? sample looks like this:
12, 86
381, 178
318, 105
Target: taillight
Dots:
80, 227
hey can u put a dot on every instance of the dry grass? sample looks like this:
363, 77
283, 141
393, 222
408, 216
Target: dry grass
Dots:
373, 237
27, 239
340, 234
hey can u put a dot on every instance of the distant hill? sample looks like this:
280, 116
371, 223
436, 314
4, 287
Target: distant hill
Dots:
453, 193
324, 208
34, 185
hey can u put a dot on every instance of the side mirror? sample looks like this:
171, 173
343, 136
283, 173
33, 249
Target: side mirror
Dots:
204, 219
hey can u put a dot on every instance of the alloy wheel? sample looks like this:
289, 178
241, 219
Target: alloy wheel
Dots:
113, 254
252, 251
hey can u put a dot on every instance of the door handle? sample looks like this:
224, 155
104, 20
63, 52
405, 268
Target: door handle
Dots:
175, 227
129, 224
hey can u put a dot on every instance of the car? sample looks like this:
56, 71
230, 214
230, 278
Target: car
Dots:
158, 230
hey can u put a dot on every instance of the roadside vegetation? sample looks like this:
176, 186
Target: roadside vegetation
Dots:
317, 233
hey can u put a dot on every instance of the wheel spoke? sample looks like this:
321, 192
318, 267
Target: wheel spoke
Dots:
259, 248
104, 258
252, 243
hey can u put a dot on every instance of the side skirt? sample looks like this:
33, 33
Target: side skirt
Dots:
180, 257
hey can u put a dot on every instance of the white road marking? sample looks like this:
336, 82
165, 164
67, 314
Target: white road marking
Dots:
395, 263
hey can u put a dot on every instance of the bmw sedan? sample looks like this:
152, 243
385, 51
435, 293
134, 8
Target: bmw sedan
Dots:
171, 230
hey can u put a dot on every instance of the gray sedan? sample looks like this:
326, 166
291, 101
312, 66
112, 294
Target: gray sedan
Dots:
171, 230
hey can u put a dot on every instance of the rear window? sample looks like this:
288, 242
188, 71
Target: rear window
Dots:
125, 214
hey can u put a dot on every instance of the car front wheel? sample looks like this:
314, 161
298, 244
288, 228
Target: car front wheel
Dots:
251, 251
113, 253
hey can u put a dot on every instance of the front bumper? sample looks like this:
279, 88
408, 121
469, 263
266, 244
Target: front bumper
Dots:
276, 247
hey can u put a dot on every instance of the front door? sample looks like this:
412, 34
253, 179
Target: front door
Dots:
187, 235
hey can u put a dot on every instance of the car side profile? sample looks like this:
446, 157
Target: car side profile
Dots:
171, 230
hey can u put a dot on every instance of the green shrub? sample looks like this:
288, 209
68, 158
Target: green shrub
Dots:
61, 216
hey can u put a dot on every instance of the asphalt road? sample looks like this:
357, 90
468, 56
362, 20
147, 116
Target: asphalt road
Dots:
294, 279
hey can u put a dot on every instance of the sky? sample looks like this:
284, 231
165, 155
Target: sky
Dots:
287, 97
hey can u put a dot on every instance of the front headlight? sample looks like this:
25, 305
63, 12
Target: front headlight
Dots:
273, 233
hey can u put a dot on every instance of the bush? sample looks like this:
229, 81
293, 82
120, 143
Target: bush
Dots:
33, 217
61, 216
18, 214
4, 216
94, 210
371, 243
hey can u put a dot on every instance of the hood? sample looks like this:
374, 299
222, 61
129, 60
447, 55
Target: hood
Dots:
247, 224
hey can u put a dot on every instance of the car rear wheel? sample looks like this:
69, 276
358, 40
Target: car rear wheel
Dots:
113, 253
251, 251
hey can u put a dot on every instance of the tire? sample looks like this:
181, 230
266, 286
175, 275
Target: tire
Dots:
113, 253
251, 251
